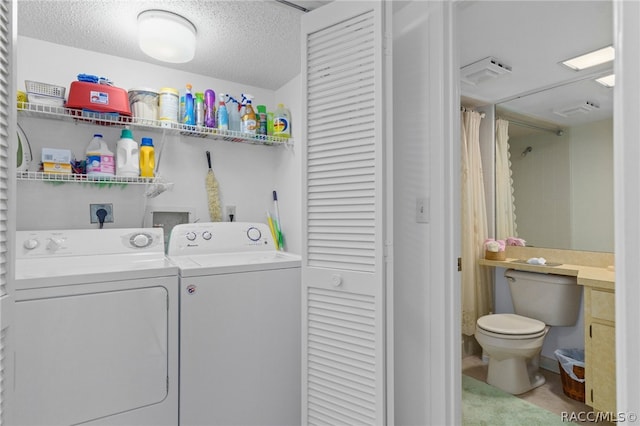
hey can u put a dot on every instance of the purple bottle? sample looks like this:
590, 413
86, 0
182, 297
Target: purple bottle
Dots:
209, 108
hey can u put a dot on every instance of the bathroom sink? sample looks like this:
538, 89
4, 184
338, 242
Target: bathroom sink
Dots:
525, 262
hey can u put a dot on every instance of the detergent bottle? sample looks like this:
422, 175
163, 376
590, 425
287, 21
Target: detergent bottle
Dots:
189, 108
127, 155
282, 122
248, 123
147, 158
223, 115
99, 158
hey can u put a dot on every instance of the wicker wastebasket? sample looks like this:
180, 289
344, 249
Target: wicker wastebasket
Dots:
573, 381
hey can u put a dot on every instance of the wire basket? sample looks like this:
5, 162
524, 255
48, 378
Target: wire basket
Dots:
44, 89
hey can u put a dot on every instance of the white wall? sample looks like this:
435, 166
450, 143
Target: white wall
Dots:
247, 174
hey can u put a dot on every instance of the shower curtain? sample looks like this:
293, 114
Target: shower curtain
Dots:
505, 208
477, 291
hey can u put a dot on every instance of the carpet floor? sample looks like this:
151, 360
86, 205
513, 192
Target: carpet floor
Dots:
485, 405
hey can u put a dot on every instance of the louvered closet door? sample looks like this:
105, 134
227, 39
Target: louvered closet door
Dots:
7, 199
343, 205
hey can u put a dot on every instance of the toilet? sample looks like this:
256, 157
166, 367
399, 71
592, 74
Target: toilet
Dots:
514, 341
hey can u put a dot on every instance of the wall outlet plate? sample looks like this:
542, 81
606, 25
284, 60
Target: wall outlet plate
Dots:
93, 209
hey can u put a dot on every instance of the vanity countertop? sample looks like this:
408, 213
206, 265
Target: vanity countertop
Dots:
592, 276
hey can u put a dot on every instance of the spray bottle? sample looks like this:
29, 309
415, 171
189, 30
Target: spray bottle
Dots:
199, 109
223, 115
189, 108
234, 114
248, 117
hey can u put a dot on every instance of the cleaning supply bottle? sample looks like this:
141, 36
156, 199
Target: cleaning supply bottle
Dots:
199, 108
248, 117
147, 158
282, 122
99, 158
223, 115
210, 108
127, 155
234, 114
189, 108
262, 120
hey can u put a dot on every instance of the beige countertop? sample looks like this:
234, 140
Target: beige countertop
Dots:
596, 273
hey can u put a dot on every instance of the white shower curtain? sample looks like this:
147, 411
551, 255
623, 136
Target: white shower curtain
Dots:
505, 208
477, 291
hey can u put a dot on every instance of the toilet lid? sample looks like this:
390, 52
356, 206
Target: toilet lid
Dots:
510, 324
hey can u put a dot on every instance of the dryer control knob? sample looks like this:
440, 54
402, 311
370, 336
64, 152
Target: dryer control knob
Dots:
191, 236
54, 244
206, 235
31, 243
141, 240
254, 234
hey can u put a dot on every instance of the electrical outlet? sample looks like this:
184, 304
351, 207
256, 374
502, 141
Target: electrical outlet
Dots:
93, 209
230, 211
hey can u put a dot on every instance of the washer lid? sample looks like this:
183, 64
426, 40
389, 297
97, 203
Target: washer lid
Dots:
510, 324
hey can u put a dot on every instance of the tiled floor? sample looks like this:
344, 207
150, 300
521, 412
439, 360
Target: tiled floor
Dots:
548, 396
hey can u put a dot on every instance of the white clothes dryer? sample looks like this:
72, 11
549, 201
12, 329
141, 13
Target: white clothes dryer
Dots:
240, 326
96, 328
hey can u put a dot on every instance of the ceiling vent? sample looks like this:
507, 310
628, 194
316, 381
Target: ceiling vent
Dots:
582, 108
483, 70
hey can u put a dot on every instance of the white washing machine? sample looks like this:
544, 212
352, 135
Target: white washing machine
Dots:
96, 328
240, 340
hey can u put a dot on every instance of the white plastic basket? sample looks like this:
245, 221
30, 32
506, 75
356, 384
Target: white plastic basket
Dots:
44, 89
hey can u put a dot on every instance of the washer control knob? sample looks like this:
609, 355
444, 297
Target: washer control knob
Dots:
191, 236
206, 235
31, 243
254, 234
141, 240
54, 244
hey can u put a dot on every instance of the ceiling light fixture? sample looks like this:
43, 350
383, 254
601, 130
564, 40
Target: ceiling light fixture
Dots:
607, 81
166, 36
591, 59
581, 108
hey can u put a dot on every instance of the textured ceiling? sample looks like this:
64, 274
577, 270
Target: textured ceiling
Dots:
251, 42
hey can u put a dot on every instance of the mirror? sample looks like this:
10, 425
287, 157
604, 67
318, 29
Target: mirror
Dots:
562, 170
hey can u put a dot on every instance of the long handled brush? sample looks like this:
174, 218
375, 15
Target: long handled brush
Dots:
215, 212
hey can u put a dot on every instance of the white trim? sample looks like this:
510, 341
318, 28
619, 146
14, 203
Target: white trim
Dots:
627, 204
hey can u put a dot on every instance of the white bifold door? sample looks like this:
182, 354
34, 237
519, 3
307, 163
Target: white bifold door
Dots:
343, 268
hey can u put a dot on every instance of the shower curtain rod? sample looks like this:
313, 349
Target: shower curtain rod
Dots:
557, 132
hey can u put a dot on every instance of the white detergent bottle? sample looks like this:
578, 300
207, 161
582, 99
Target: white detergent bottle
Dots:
127, 155
282, 122
100, 161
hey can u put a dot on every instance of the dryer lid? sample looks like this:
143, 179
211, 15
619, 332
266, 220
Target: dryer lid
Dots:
510, 324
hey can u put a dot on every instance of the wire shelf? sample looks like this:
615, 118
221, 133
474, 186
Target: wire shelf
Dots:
106, 119
77, 178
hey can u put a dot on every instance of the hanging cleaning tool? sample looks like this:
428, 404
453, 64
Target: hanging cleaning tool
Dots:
278, 223
215, 212
272, 228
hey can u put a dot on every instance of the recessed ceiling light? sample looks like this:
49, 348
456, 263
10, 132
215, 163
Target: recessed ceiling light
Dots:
591, 59
581, 108
166, 36
607, 80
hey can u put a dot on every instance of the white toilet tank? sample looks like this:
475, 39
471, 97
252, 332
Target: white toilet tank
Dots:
552, 299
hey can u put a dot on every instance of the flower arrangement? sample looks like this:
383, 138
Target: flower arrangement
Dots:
495, 249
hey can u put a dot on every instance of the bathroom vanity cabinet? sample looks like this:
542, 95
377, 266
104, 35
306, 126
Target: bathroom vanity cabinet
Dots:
600, 348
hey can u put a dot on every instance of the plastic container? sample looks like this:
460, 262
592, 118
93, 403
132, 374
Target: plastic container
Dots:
209, 108
144, 105
168, 106
127, 155
223, 115
248, 123
100, 161
282, 122
147, 158
199, 108
189, 108
100, 98
234, 114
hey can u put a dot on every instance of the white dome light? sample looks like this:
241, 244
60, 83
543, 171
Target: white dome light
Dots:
166, 36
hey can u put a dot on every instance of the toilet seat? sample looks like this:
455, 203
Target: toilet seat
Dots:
511, 326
